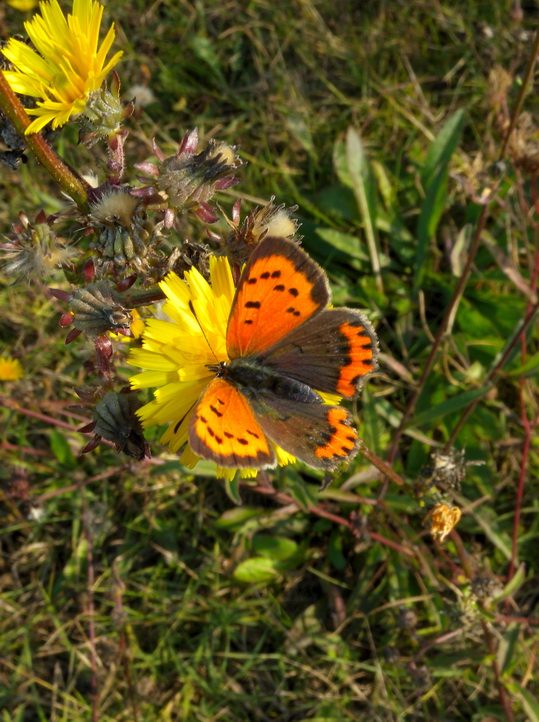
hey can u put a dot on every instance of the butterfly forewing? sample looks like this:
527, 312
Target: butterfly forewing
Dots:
280, 288
331, 353
224, 429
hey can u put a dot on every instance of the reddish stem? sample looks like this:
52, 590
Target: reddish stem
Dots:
49, 159
526, 424
319, 511
90, 606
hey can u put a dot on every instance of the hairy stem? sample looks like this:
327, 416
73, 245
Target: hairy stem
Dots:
14, 111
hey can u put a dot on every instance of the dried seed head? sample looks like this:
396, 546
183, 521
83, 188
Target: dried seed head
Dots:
142, 94
124, 236
35, 251
270, 220
448, 469
116, 421
485, 587
187, 180
97, 309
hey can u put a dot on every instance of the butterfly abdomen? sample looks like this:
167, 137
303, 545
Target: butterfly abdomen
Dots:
253, 379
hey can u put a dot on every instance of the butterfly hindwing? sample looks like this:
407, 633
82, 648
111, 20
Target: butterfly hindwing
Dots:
224, 429
332, 352
320, 435
280, 288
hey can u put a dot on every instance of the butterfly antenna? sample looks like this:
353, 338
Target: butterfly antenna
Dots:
192, 308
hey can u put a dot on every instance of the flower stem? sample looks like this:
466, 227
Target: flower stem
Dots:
381, 465
14, 111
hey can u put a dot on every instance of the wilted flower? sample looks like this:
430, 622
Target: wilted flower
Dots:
187, 180
66, 65
10, 369
442, 519
35, 251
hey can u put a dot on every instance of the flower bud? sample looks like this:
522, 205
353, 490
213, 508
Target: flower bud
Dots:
98, 309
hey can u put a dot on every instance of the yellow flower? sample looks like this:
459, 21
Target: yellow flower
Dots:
178, 350
22, 5
10, 369
68, 64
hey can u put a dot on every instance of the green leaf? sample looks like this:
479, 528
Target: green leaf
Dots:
254, 571
443, 147
450, 406
529, 702
235, 519
336, 556
345, 242
434, 178
301, 493
298, 127
429, 217
365, 191
232, 488
385, 186
203, 48
508, 657
340, 164
61, 450
527, 369
278, 548
511, 587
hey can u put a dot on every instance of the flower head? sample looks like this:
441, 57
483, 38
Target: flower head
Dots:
187, 180
67, 63
270, 220
179, 349
10, 369
34, 251
119, 221
442, 519
22, 5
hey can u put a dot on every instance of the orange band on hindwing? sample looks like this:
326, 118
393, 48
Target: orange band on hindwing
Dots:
360, 358
342, 441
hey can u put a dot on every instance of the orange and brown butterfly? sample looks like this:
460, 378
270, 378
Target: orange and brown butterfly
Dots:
283, 351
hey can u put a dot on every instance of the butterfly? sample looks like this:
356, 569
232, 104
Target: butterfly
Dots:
285, 346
